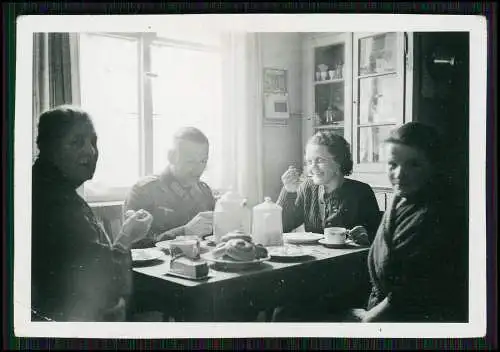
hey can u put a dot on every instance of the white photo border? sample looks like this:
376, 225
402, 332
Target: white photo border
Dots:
27, 25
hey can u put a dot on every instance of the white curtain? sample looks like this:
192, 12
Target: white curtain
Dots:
240, 165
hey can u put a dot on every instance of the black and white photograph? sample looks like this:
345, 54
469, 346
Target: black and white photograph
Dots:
250, 175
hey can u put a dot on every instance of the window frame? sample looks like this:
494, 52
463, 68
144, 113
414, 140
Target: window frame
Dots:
146, 41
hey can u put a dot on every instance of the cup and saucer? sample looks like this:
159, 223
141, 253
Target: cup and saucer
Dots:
337, 237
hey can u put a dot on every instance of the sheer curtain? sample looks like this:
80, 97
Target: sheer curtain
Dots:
240, 158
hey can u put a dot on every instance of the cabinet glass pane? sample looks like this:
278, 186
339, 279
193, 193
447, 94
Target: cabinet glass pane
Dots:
380, 99
329, 62
377, 54
329, 103
371, 147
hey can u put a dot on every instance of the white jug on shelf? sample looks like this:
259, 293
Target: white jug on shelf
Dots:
267, 226
230, 214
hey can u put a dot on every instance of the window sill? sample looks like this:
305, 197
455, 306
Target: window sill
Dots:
106, 204
105, 196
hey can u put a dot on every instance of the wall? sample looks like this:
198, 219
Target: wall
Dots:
282, 143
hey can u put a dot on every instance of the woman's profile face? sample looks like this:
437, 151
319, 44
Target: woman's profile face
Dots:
321, 165
408, 169
76, 153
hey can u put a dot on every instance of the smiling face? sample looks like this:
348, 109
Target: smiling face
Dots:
76, 154
324, 170
408, 169
189, 161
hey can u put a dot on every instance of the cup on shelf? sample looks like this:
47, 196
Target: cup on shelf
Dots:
318, 76
323, 75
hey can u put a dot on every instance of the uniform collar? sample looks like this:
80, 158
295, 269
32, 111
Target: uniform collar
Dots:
170, 181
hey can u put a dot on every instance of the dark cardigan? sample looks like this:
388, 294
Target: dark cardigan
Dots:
417, 259
354, 204
76, 275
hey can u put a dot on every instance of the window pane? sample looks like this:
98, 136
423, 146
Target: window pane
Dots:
110, 93
186, 92
371, 148
118, 143
377, 54
109, 73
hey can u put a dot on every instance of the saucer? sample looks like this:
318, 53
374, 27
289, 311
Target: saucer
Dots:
325, 243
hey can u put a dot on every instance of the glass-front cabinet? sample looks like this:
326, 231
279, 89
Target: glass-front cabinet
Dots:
356, 85
329, 76
378, 95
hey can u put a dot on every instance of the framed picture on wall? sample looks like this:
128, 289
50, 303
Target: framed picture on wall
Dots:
276, 106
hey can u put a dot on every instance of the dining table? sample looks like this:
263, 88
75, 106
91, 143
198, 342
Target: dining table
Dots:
336, 276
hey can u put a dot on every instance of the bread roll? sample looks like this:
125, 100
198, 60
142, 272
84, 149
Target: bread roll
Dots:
220, 250
240, 250
236, 235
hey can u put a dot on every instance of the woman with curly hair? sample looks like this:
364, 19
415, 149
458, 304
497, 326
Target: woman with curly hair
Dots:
328, 198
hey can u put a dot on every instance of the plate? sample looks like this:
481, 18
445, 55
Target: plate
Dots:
165, 245
301, 237
287, 251
233, 264
348, 244
146, 254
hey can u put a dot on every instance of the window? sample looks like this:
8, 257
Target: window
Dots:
140, 88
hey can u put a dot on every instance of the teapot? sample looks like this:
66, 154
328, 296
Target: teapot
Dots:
267, 226
230, 214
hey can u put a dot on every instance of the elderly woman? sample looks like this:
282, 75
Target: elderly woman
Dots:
415, 257
79, 273
328, 198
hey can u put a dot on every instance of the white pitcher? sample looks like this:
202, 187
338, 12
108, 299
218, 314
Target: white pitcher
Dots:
267, 227
230, 214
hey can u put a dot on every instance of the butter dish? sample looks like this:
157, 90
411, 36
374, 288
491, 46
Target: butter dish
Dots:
189, 268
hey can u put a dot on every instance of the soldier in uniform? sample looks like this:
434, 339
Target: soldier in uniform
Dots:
180, 203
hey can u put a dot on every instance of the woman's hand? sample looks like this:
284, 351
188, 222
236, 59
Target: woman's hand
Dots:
356, 315
359, 235
377, 313
135, 227
291, 179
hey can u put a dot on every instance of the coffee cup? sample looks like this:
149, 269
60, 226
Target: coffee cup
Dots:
336, 235
189, 247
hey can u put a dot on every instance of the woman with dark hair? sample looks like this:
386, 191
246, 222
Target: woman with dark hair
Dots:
79, 273
328, 198
416, 257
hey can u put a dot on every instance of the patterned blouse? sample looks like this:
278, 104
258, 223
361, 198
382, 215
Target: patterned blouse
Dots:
352, 204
